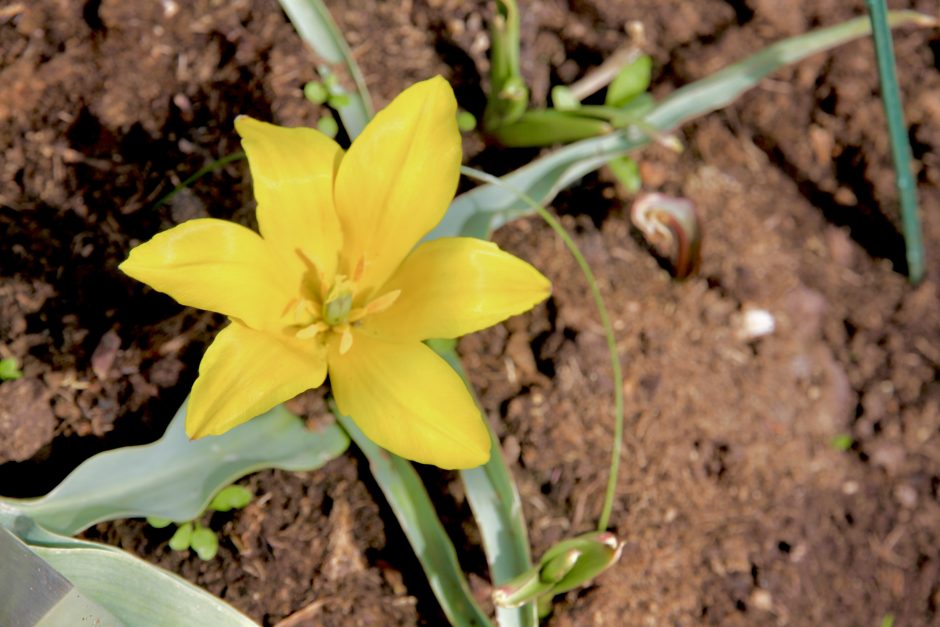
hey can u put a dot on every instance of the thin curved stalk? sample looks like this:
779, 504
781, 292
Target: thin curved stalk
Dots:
556, 226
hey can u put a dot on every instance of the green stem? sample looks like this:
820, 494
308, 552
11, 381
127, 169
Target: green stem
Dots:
900, 146
496, 508
412, 506
605, 321
208, 169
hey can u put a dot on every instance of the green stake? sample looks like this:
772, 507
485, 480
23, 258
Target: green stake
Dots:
900, 147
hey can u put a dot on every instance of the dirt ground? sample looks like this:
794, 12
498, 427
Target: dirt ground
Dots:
734, 505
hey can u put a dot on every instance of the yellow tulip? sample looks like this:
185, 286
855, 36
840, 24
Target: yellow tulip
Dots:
337, 283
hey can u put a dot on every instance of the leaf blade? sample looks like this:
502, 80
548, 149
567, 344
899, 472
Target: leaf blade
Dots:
175, 477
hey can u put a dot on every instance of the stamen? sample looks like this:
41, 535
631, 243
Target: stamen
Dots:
311, 331
383, 302
346, 339
306, 260
360, 267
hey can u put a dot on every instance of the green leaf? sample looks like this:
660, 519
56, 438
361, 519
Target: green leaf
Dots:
497, 510
632, 80
543, 127
158, 523
182, 538
176, 477
563, 99
316, 27
627, 172
9, 369
409, 500
843, 442
338, 101
231, 497
205, 543
477, 212
134, 591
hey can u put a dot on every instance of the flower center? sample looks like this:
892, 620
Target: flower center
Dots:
337, 314
338, 302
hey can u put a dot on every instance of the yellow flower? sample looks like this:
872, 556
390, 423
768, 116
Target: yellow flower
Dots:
337, 283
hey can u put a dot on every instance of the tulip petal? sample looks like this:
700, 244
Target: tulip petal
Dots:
454, 286
215, 265
244, 373
397, 180
292, 170
408, 400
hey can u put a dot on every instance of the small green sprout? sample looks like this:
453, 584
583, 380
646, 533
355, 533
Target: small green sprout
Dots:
229, 498
328, 125
887, 620
338, 101
564, 99
633, 80
9, 369
328, 92
182, 537
842, 442
316, 92
627, 172
192, 534
466, 121
158, 523
565, 566
204, 542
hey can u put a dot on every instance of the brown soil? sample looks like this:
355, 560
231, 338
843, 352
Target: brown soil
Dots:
734, 505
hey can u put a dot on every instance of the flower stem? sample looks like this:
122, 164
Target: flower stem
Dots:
605, 321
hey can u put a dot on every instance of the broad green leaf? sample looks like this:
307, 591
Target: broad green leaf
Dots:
316, 27
176, 477
134, 591
477, 212
632, 80
412, 506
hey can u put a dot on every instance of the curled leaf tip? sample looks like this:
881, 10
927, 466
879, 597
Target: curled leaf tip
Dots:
671, 225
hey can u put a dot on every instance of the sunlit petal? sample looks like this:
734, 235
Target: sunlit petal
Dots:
215, 265
244, 373
397, 180
292, 170
410, 401
454, 286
